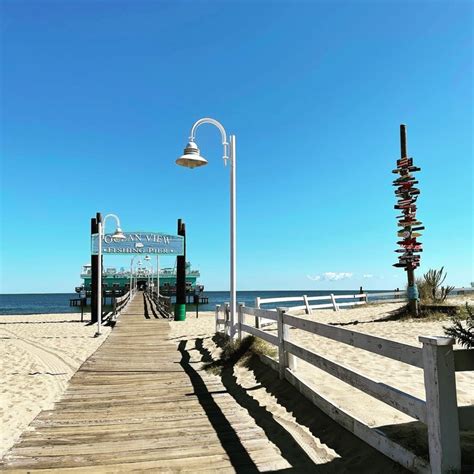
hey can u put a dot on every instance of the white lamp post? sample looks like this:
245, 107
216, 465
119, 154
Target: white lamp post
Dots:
158, 278
118, 235
132, 289
193, 159
150, 275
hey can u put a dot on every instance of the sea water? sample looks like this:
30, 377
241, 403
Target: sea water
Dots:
59, 302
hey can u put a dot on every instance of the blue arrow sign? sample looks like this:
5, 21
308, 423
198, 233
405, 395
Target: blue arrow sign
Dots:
143, 243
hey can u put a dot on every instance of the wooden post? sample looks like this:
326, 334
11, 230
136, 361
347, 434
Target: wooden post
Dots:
218, 308
240, 320
308, 307
334, 304
180, 306
411, 293
227, 319
282, 361
257, 319
441, 404
94, 274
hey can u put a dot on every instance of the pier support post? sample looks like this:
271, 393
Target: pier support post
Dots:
180, 306
94, 274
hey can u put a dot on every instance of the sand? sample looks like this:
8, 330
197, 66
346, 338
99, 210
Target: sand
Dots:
39, 354
367, 319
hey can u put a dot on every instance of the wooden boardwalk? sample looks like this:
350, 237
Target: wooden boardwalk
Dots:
141, 402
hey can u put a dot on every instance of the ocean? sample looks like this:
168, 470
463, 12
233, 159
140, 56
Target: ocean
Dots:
59, 302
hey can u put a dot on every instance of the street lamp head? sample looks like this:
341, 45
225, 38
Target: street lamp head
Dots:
118, 234
191, 157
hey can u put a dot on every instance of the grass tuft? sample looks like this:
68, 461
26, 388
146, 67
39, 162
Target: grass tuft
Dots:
238, 352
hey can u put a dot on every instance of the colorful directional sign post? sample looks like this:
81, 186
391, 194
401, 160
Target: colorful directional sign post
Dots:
409, 226
142, 243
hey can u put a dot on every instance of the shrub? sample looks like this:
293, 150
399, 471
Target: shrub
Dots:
430, 289
463, 332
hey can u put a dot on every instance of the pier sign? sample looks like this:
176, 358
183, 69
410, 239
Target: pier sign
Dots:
144, 243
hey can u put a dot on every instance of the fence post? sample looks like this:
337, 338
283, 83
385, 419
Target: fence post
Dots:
308, 307
227, 328
282, 359
441, 404
218, 307
257, 319
240, 320
334, 304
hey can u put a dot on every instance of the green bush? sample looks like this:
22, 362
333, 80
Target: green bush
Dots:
463, 332
430, 287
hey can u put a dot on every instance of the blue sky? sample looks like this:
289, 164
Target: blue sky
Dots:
98, 98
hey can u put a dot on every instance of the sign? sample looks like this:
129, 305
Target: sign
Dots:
142, 243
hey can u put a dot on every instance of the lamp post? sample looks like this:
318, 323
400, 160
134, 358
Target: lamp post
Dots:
150, 275
157, 278
131, 275
118, 235
193, 159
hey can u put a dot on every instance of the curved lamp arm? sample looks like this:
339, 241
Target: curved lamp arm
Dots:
217, 124
117, 220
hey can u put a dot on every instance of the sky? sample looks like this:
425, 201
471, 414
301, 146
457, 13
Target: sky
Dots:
98, 97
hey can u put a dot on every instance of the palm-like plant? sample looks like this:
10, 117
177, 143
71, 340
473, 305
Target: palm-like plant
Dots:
463, 333
432, 281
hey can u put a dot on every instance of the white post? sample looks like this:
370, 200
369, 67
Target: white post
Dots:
233, 269
218, 307
99, 284
257, 319
334, 304
441, 404
308, 307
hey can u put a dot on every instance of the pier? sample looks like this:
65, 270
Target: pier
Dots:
143, 402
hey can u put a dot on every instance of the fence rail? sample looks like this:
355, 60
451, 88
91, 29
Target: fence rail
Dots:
118, 305
162, 303
359, 298
436, 357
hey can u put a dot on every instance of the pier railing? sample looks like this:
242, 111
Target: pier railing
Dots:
118, 305
162, 303
436, 358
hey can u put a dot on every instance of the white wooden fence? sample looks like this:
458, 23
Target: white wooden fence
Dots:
436, 357
358, 299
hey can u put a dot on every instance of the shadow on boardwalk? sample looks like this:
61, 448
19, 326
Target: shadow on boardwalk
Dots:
354, 455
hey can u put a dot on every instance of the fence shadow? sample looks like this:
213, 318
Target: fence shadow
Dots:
238, 455
355, 455
414, 436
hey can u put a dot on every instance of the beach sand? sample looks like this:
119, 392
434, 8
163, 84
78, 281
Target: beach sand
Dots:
39, 354
366, 319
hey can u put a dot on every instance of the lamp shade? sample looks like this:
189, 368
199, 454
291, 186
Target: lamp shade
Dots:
118, 234
191, 157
